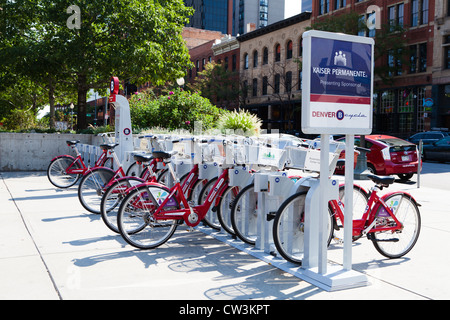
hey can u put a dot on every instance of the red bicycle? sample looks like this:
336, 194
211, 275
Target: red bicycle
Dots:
191, 185
64, 171
392, 222
151, 212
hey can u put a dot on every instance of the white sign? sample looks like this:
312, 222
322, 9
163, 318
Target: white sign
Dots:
338, 85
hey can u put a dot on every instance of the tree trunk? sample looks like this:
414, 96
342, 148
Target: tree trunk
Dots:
51, 101
82, 97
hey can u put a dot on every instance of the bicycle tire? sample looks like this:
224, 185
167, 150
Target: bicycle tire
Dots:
134, 170
227, 199
288, 228
210, 218
112, 198
360, 200
91, 188
57, 175
136, 224
407, 212
244, 214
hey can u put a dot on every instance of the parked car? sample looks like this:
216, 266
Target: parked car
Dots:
439, 150
428, 137
389, 156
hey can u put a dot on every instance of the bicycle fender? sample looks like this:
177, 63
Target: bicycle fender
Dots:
63, 155
148, 183
96, 168
403, 192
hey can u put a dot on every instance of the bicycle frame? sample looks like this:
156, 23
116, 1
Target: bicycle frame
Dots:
70, 170
367, 223
191, 215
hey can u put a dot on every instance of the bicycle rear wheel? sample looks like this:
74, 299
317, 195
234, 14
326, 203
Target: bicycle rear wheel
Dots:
92, 188
224, 209
288, 228
57, 175
210, 219
112, 199
360, 199
244, 214
395, 244
135, 219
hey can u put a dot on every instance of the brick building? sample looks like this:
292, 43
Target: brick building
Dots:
270, 72
403, 106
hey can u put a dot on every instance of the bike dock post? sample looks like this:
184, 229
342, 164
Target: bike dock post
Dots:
334, 104
123, 129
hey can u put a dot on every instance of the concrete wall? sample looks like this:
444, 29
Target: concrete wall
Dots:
34, 151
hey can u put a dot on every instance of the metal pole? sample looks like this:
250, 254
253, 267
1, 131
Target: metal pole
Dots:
420, 162
323, 202
348, 202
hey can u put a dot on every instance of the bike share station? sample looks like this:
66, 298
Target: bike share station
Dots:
337, 99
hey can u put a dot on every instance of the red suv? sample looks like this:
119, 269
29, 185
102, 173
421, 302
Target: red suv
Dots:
389, 155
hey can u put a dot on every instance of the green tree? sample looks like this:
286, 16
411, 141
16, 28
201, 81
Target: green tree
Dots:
137, 40
219, 85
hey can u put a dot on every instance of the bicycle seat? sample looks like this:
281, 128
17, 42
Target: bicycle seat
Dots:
163, 154
143, 157
108, 146
72, 142
385, 181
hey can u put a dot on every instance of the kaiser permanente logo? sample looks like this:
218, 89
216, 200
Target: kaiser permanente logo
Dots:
339, 61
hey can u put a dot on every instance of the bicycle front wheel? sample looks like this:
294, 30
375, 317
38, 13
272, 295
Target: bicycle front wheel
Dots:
112, 199
136, 221
395, 244
57, 174
92, 188
289, 225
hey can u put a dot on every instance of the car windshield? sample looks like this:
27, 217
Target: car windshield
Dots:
398, 145
395, 142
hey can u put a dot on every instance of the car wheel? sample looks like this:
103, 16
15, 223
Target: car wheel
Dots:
371, 169
405, 176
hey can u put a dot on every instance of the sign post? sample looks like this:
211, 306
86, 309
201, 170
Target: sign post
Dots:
337, 99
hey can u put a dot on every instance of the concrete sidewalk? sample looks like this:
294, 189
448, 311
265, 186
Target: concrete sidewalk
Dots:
51, 248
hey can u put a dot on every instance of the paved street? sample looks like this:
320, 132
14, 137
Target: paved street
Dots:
51, 248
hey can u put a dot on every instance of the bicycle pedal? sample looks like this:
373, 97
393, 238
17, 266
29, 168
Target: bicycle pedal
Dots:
190, 229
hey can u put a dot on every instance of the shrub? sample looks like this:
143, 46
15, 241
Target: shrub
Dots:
19, 119
242, 122
178, 109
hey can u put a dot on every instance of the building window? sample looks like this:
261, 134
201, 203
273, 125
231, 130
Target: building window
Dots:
288, 83
265, 55
418, 58
289, 50
339, 4
277, 53
233, 62
245, 61
419, 12
245, 89
276, 87
363, 32
255, 87
395, 63
255, 59
226, 63
396, 15
324, 6
264, 86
